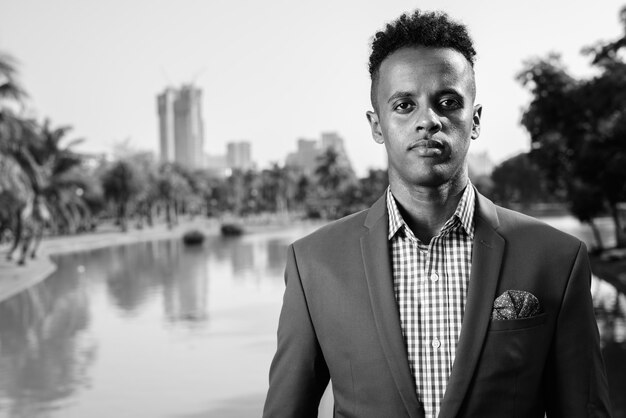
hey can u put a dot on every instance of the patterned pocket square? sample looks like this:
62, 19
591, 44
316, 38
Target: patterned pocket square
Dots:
515, 304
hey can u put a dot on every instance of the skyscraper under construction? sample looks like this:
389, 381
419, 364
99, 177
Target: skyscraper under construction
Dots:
181, 127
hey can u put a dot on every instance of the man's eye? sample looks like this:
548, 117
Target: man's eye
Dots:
450, 104
404, 107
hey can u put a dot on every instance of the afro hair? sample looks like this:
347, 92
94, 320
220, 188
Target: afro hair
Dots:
426, 29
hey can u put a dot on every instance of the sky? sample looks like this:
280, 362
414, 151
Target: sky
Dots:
271, 71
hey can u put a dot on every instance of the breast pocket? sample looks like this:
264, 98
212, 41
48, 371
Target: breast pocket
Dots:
517, 324
514, 344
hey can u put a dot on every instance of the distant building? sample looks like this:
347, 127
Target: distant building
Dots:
305, 157
216, 165
239, 156
181, 127
334, 141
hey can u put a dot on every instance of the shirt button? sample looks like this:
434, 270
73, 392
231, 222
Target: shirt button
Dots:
436, 343
434, 277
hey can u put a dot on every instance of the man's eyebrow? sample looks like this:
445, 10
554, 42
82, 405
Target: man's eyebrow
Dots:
450, 90
399, 95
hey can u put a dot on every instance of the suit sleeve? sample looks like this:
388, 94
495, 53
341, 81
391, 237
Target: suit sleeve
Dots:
298, 374
576, 381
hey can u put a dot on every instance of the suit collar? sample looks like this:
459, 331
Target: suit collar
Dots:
486, 210
376, 212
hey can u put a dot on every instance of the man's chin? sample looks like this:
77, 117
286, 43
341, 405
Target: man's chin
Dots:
432, 179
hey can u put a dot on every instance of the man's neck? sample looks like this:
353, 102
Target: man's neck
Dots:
426, 209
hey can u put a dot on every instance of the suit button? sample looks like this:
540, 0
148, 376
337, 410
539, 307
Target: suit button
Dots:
434, 277
436, 343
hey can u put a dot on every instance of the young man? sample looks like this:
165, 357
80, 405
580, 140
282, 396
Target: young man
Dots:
435, 302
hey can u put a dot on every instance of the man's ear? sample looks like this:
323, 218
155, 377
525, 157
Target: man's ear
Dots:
377, 133
478, 110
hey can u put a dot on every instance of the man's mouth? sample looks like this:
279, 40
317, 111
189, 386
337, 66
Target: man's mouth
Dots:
427, 147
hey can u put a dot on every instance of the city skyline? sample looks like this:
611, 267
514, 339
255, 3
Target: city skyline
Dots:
271, 72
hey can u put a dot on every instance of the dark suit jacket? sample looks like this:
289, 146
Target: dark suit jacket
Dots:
340, 320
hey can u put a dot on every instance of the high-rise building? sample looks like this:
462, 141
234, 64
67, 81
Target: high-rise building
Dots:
216, 165
181, 127
305, 157
239, 156
332, 140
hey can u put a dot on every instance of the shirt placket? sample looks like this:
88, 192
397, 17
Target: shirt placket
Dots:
433, 302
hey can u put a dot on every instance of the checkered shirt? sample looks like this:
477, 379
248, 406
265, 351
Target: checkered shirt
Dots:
430, 285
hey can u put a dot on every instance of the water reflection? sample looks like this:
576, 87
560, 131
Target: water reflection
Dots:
45, 351
610, 309
110, 331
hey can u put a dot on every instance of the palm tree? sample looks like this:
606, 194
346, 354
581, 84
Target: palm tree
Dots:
148, 195
15, 191
121, 185
274, 183
64, 180
12, 127
15, 185
11, 93
9, 86
173, 189
51, 170
333, 179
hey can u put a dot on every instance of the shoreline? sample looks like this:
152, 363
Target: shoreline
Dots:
15, 278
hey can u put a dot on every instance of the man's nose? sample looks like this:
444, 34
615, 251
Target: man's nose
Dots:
428, 121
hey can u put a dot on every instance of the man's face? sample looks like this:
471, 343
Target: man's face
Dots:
425, 115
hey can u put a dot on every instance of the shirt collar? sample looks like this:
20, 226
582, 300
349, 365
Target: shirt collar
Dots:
463, 215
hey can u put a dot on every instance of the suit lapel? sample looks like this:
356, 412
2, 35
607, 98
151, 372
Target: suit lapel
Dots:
487, 256
375, 252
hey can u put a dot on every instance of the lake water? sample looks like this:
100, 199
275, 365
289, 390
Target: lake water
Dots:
158, 329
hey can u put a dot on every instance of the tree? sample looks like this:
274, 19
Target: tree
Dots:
148, 193
373, 185
333, 180
64, 177
173, 188
15, 191
302, 190
274, 184
518, 180
121, 184
578, 130
11, 93
9, 86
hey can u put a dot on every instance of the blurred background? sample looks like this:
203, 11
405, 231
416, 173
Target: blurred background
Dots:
164, 154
